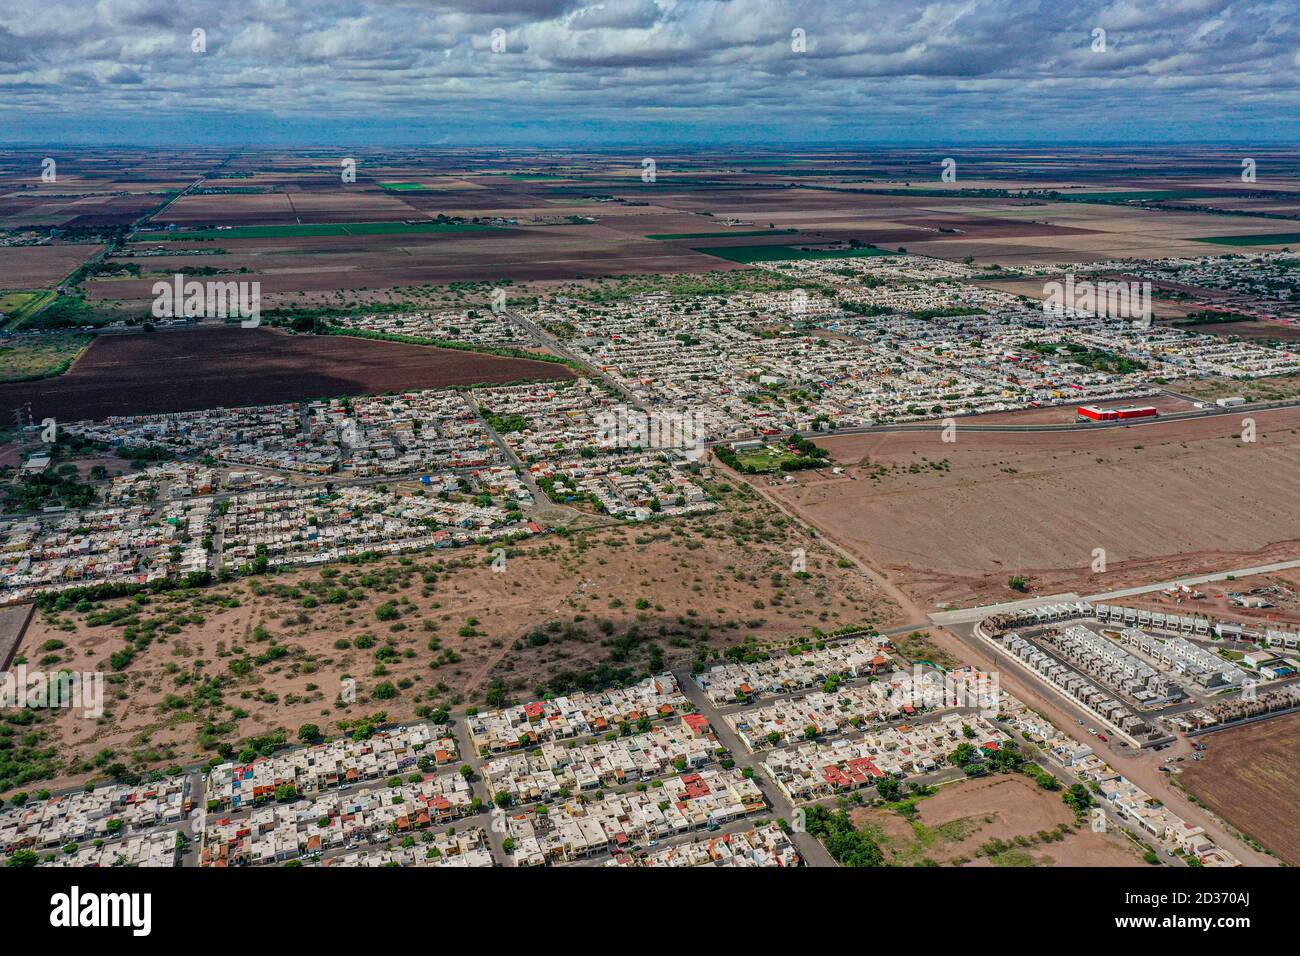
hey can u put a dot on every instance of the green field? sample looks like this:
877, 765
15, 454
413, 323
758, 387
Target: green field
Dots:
668, 236
1260, 239
765, 459
39, 356
17, 306
404, 187
779, 253
313, 229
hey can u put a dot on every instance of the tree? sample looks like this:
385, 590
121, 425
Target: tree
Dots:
1077, 798
889, 788
309, 733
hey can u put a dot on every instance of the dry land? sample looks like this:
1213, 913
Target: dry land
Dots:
1247, 776
993, 821
950, 523
214, 667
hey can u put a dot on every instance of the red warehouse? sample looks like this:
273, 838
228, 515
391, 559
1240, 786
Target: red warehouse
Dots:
1095, 414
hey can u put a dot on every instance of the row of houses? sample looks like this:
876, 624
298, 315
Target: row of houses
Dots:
103, 813
329, 766
624, 821
896, 695
555, 770
466, 847
785, 673
1092, 698
765, 846
283, 831
817, 770
576, 715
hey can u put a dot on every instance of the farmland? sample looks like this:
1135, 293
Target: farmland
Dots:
146, 373
1247, 776
31, 357
778, 253
311, 230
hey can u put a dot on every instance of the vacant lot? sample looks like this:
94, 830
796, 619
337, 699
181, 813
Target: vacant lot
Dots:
36, 356
951, 522
1248, 778
187, 370
274, 649
994, 821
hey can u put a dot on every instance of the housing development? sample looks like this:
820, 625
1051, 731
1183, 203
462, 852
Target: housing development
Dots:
702, 441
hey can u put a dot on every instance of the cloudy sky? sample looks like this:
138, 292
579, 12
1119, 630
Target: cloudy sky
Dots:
618, 72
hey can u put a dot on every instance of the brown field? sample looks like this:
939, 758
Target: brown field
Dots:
1248, 777
1282, 331
706, 584
1163, 500
173, 371
953, 826
38, 267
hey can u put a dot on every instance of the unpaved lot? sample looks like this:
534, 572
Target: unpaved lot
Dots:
235, 660
959, 825
950, 523
1248, 777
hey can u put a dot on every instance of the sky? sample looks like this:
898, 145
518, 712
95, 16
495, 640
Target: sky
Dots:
546, 73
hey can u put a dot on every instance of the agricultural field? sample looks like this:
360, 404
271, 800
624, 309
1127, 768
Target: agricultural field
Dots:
185, 370
777, 253
1247, 776
25, 357
311, 230
1259, 239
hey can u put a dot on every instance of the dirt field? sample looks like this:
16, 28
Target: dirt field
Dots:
951, 523
1248, 778
38, 267
612, 598
957, 827
187, 370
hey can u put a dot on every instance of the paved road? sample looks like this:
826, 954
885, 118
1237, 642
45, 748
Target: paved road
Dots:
809, 847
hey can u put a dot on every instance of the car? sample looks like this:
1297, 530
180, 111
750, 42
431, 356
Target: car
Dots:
1165, 770
1103, 738
653, 843
1093, 731
1080, 723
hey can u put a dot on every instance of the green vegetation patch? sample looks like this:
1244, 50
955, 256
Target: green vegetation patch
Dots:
30, 357
404, 187
1258, 239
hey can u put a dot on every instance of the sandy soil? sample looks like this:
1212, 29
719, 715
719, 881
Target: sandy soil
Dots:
951, 523
701, 583
953, 825
1248, 778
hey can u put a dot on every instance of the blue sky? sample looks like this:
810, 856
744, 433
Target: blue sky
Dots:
643, 72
